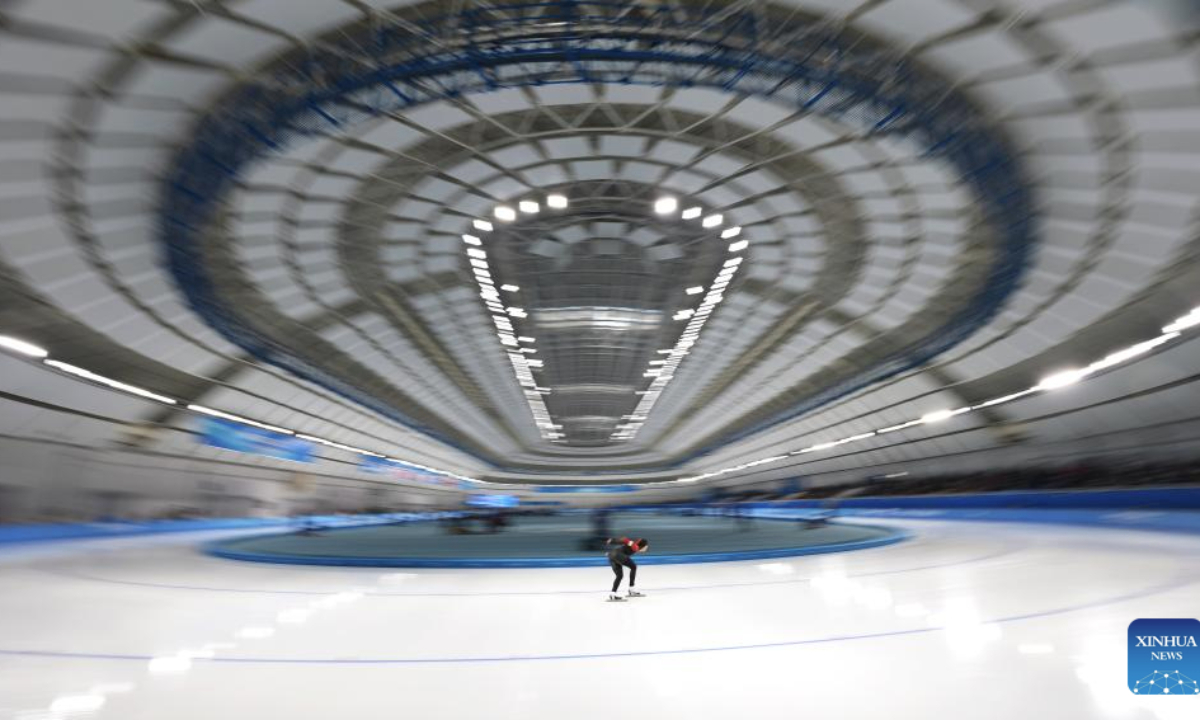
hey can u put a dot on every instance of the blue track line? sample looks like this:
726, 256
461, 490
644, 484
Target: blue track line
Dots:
1156, 590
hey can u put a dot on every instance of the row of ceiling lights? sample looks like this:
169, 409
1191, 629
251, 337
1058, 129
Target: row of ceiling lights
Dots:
39, 353
1058, 380
662, 370
518, 347
1052, 382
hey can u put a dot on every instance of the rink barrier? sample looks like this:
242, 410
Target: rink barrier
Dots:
892, 535
1176, 521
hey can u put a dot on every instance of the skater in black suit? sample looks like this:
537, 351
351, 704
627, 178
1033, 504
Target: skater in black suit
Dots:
620, 556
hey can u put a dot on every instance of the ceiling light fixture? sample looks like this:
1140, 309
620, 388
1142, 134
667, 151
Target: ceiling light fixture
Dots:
1061, 379
238, 419
1051, 382
937, 416
20, 346
666, 205
663, 371
1190, 320
522, 366
107, 381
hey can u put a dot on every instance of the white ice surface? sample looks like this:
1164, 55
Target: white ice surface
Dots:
980, 621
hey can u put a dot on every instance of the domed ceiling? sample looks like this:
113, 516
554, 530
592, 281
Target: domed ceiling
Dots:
610, 237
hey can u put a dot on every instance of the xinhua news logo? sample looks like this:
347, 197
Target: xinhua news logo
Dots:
1164, 657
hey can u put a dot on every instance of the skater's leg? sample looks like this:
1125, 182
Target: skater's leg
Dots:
620, 573
632, 574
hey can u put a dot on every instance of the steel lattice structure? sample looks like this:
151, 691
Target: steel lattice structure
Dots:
393, 67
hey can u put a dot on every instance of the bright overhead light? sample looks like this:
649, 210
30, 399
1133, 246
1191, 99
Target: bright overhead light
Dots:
471, 239
713, 220
526, 339
731, 232
505, 213
482, 225
733, 262
509, 288
1187, 321
937, 416
237, 418
528, 206
692, 213
1130, 352
481, 264
114, 384
1004, 398
20, 346
476, 253
856, 438
558, 202
695, 290
666, 205
738, 246
1062, 379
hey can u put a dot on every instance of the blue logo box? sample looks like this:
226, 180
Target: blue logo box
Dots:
1164, 657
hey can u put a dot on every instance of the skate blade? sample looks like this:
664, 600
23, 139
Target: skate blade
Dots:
612, 599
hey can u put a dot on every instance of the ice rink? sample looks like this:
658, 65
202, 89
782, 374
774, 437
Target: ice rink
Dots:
965, 620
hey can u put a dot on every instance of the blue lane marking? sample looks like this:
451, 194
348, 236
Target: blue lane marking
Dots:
1157, 590
1002, 552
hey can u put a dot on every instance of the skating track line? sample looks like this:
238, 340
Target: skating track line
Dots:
1041, 614
1003, 552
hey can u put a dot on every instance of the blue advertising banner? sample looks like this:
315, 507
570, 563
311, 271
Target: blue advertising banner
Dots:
230, 435
586, 488
403, 471
492, 501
